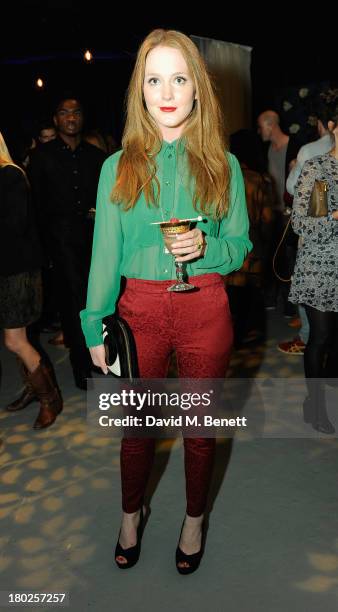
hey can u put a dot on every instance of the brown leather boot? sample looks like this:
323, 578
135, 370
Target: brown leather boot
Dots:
27, 396
48, 394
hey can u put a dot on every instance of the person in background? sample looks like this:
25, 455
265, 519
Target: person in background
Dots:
47, 132
318, 147
283, 148
21, 290
173, 163
64, 174
50, 315
95, 138
246, 286
315, 280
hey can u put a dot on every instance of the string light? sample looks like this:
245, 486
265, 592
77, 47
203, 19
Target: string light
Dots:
88, 56
39, 83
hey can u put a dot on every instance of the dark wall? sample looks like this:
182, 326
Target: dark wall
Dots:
286, 54
101, 86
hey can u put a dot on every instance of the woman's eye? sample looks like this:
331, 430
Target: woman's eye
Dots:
153, 81
180, 80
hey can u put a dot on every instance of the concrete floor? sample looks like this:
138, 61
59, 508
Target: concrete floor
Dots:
272, 543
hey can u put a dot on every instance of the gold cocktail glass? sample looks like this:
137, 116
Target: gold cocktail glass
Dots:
170, 229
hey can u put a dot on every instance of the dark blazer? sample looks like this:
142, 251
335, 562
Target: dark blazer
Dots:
19, 244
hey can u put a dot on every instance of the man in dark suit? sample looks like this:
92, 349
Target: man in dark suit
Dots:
64, 175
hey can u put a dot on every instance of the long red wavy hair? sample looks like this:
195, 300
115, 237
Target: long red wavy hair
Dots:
203, 136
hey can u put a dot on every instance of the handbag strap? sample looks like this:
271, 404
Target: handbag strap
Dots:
284, 280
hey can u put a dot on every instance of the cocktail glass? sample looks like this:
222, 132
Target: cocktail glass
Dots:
170, 229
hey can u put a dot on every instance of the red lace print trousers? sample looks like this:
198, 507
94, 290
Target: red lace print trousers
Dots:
197, 325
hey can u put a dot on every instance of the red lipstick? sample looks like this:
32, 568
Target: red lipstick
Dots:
168, 109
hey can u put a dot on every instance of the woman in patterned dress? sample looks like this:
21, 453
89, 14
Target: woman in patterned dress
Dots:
315, 279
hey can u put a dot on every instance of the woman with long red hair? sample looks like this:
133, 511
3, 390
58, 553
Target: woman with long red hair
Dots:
173, 164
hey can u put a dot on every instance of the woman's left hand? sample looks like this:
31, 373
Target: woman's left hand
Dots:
190, 245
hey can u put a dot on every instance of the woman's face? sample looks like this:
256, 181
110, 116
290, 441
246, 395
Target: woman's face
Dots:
168, 90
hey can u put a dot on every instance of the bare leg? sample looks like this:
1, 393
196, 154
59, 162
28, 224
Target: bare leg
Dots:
16, 341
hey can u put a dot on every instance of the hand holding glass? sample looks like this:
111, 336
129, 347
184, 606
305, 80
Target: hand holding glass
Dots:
170, 229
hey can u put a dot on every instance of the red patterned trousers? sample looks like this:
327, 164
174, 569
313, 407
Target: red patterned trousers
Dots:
197, 326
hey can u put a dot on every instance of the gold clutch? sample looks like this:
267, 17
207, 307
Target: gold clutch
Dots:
318, 201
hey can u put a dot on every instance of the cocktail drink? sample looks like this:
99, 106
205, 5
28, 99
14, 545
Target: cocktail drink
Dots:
170, 229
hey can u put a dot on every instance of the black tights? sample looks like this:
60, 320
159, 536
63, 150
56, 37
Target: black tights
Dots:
321, 353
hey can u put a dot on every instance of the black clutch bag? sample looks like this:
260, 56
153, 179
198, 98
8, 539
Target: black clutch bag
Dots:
318, 201
120, 348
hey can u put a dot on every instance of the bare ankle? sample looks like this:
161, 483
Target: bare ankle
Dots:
194, 519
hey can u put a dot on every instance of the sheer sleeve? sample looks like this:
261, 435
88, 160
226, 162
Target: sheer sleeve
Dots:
104, 277
228, 250
318, 230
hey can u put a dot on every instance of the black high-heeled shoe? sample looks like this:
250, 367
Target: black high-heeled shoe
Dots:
132, 553
193, 560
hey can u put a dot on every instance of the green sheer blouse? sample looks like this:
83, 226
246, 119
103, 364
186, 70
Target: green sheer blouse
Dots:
126, 244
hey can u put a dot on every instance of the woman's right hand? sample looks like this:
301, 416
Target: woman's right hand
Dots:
98, 356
